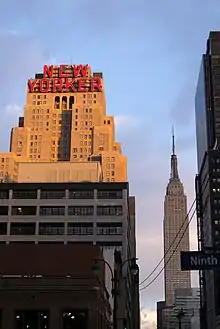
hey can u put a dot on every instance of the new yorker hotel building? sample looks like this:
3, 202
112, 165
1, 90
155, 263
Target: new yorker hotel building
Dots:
65, 134
93, 213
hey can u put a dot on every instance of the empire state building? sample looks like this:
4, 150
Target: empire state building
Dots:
175, 220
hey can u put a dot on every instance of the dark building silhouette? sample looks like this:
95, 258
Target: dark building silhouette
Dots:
52, 286
207, 110
160, 314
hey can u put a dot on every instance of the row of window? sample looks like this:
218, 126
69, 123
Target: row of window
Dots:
60, 211
105, 245
59, 229
61, 194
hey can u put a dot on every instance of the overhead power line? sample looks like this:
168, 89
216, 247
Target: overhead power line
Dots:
204, 188
171, 253
171, 245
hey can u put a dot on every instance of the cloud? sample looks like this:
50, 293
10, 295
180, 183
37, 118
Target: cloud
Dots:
148, 318
186, 142
14, 110
20, 58
182, 110
125, 122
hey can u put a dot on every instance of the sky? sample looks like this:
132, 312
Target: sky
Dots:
150, 54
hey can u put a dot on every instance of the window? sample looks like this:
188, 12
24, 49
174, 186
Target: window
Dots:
22, 228
110, 245
52, 211
51, 229
4, 194
109, 228
81, 211
3, 228
23, 211
81, 194
22, 194
31, 319
72, 318
109, 194
109, 211
53, 194
80, 229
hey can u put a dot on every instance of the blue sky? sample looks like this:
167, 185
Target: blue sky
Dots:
149, 52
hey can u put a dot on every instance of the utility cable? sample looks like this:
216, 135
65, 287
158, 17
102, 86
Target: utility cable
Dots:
201, 193
171, 254
171, 245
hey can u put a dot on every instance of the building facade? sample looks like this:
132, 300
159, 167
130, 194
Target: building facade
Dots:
187, 303
94, 213
64, 120
161, 305
207, 110
175, 220
99, 214
52, 287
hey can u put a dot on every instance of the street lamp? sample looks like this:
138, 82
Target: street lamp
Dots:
115, 280
134, 269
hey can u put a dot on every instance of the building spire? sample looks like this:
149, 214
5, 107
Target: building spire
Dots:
174, 165
173, 140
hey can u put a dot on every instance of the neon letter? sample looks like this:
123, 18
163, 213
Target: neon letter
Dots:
81, 85
79, 69
70, 85
32, 84
44, 85
57, 84
48, 71
62, 70
96, 84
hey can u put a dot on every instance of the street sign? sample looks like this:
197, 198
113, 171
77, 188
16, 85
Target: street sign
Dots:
200, 260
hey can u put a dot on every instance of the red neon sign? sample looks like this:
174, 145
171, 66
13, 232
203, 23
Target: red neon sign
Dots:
76, 81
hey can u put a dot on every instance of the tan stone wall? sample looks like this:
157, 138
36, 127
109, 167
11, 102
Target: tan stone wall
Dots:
71, 127
59, 172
